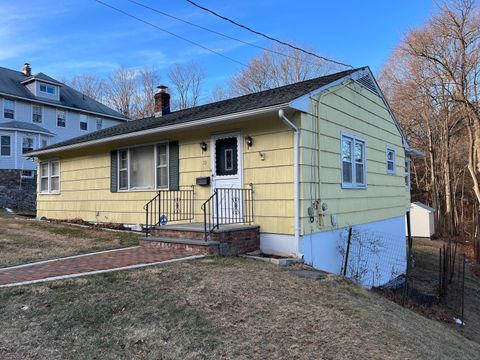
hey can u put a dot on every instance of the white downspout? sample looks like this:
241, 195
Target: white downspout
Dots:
296, 196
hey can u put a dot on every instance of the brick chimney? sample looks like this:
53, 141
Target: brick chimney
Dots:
27, 70
162, 101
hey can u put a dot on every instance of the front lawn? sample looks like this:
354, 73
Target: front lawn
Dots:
25, 240
216, 308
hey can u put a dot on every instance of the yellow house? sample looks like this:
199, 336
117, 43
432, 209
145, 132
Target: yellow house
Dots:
305, 162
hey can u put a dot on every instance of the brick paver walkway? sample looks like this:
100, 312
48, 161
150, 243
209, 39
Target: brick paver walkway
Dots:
89, 263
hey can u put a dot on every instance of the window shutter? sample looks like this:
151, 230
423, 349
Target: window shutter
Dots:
173, 168
113, 171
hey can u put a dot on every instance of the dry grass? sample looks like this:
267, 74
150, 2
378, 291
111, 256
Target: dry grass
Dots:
216, 308
24, 240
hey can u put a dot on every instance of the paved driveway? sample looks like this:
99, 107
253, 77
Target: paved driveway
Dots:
89, 264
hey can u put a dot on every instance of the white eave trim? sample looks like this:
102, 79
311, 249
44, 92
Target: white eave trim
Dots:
62, 106
29, 80
303, 102
163, 129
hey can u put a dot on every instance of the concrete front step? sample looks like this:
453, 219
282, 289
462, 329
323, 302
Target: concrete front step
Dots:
228, 240
195, 246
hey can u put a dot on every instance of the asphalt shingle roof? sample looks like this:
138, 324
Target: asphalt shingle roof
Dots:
10, 84
276, 96
21, 125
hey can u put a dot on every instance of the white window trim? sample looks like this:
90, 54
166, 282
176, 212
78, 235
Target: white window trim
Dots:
49, 177
11, 153
80, 125
56, 118
155, 165
40, 84
353, 184
29, 176
41, 113
408, 184
33, 142
391, 172
97, 121
14, 109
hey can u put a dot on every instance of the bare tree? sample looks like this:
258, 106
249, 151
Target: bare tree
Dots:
148, 80
433, 79
89, 85
120, 90
271, 69
187, 83
220, 93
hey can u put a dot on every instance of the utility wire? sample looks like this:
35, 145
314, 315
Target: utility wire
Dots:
214, 31
169, 32
266, 36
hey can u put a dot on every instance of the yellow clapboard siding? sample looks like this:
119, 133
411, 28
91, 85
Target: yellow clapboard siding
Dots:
85, 178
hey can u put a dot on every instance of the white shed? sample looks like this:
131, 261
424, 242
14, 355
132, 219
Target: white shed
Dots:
422, 220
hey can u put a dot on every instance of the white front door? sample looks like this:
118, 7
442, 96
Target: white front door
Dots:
227, 172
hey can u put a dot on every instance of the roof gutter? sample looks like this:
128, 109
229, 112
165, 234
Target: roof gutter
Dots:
62, 106
27, 131
296, 196
164, 129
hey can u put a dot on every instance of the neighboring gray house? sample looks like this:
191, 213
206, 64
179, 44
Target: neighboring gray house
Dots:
36, 111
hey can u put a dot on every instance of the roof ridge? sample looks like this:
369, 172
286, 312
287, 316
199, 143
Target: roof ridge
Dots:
266, 90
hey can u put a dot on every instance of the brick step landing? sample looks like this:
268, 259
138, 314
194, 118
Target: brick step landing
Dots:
228, 240
192, 245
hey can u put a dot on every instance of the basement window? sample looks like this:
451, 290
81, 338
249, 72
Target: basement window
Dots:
353, 162
49, 182
143, 167
28, 174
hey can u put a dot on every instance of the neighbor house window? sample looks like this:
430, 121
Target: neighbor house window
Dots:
407, 173
28, 173
143, 167
5, 145
44, 143
36, 114
390, 160
83, 122
47, 89
353, 162
27, 144
50, 177
99, 123
61, 118
8, 109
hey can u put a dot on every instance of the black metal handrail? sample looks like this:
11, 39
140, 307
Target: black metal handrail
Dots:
227, 206
176, 205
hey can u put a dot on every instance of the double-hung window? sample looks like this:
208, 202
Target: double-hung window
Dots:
61, 118
5, 145
99, 123
36, 113
83, 122
353, 162
50, 177
407, 173
8, 109
143, 167
390, 160
27, 144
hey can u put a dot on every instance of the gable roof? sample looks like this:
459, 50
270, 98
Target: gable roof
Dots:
259, 100
11, 84
21, 125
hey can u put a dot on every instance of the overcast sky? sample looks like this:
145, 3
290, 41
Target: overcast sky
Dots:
63, 38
